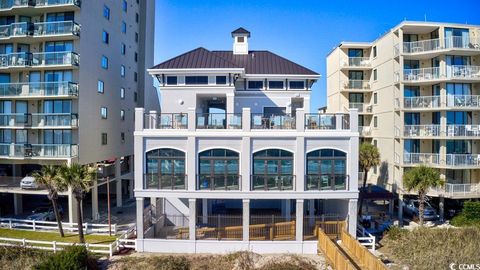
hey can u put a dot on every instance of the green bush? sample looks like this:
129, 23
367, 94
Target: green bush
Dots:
469, 216
71, 258
395, 232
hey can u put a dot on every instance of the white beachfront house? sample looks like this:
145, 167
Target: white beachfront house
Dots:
235, 161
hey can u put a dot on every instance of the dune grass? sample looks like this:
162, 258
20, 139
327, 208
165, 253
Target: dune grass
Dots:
50, 236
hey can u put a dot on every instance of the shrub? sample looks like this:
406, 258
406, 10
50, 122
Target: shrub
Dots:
395, 232
170, 263
71, 258
470, 215
16, 258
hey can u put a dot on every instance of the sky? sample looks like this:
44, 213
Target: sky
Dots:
303, 31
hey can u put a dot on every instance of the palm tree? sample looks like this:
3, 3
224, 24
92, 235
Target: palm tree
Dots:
421, 179
79, 179
48, 176
369, 157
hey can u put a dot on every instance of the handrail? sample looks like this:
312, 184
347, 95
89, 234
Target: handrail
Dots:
361, 253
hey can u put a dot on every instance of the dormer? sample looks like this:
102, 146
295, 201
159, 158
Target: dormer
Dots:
240, 41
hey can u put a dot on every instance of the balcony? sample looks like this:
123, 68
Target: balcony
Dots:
171, 182
326, 182
219, 121
422, 102
272, 121
422, 130
463, 130
53, 3
357, 62
463, 101
461, 72
358, 85
361, 107
38, 89
9, 4
421, 74
38, 151
463, 160
218, 182
435, 45
168, 120
47, 59
272, 182
48, 29
365, 131
421, 158
327, 121
39, 120
422, 46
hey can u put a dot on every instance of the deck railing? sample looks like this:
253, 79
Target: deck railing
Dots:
421, 158
357, 85
38, 150
56, 28
38, 120
431, 45
48, 3
171, 182
326, 182
272, 182
219, 182
421, 130
219, 121
40, 89
462, 189
365, 130
272, 121
327, 121
25, 59
463, 101
361, 107
358, 62
463, 160
422, 46
166, 121
421, 74
463, 130
7, 4
463, 72
421, 102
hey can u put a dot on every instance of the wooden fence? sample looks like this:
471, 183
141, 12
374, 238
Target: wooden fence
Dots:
335, 257
360, 253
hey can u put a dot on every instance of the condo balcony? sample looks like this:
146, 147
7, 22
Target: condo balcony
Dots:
365, 131
219, 121
39, 120
463, 101
326, 182
448, 131
24, 31
422, 102
39, 60
357, 63
421, 158
434, 103
443, 161
20, 5
272, 121
463, 160
421, 74
463, 72
463, 131
436, 46
356, 85
38, 90
272, 182
422, 130
38, 151
362, 107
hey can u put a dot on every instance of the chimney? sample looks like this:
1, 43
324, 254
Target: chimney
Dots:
240, 41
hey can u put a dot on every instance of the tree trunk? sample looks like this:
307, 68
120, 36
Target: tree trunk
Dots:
81, 238
365, 172
421, 207
57, 216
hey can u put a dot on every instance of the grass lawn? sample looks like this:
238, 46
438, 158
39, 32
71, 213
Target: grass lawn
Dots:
48, 236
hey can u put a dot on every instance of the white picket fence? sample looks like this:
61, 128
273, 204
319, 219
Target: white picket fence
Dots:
35, 225
365, 238
109, 249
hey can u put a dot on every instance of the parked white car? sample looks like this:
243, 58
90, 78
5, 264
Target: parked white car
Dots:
28, 182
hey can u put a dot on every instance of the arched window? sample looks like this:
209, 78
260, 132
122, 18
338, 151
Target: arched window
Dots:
218, 169
326, 170
165, 169
272, 170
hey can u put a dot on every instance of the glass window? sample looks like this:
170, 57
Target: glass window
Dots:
106, 12
374, 51
100, 87
122, 115
59, 46
104, 139
355, 75
272, 170
122, 70
57, 136
374, 74
124, 5
412, 118
275, 85
171, 80
104, 62
165, 169
103, 112
355, 97
218, 169
375, 121
105, 37
297, 85
124, 27
326, 170
221, 80
123, 49
355, 53
60, 17
375, 98
196, 80
255, 84
122, 137
122, 93
57, 106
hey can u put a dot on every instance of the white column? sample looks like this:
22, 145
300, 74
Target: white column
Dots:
246, 160
192, 119
204, 211
94, 193
118, 183
191, 163
17, 203
299, 221
246, 220
311, 212
400, 210
230, 106
192, 218
300, 120
299, 157
352, 217
72, 208
139, 203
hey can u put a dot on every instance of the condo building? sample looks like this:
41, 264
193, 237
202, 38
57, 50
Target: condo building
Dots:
236, 161
417, 90
71, 74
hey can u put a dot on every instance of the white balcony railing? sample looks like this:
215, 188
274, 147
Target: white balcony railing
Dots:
421, 74
422, 46
25, 59
38, 120
421, 158
463, 101
463, 130
463, 160
365, 130
357, 62
421, 102
421, 130
462, 189
39, 150
431, 45
357, 85
463, 72
53, 89
361, 107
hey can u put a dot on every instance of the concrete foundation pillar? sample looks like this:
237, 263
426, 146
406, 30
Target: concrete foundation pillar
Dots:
352, 217
192, 205
400, 210
441, 207
246, 220
72, 208
17, 203
118, 186
299, 221
391, 207
94, 192
140, 202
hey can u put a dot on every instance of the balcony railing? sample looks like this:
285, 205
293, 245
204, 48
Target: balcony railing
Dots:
422, 46
365, 130
361, 107
39, 150
421, 158
326, 182
431, 45
462, 189
357, 85
463, 72
421, 74
272, 121
157, 181
272, 182
7, 4
218, 182
358, 62
166, 121
463, 101
41, 89
421, 102
39, 120
56, 28
457, 42
219, 121
463, 160
48, 3
421, 130
327, 121
463, 130
39, 59
16, 30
